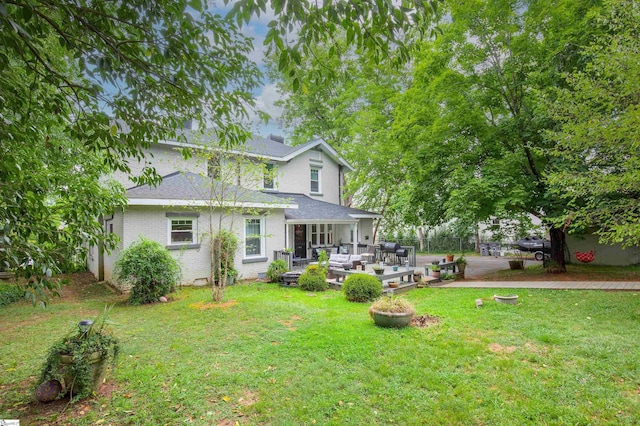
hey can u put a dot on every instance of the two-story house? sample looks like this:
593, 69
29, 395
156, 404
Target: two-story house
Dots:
282, 197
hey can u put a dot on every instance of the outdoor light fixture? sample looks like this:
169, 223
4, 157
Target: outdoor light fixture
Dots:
85, 325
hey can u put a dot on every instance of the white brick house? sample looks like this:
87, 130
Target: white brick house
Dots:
298, 206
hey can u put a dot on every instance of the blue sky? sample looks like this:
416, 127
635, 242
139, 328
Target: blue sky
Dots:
266, 95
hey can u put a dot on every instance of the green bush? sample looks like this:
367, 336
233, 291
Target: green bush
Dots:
362, 288
151, 270
276, 269
313, 279
9, 293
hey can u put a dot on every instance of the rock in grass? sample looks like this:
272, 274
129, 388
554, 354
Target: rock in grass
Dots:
163, 299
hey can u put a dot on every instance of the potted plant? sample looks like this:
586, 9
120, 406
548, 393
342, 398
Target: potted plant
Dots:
461, 262
435, 271
77, 363
449, 257
378, 270
390, 311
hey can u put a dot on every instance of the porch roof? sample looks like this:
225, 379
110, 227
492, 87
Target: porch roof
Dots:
311, 210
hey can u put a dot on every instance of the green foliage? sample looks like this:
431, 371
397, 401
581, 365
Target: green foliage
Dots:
361, 288
323, 261
276, 269
9, 293
150, 269
596, 146
77, 377
392, 304
313, 279
65, 127
225, 245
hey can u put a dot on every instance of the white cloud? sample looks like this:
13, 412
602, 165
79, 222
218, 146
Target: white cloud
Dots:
265, 102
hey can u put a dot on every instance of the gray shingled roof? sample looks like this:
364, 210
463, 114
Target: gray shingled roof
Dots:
264, 147
192, 186
316, 210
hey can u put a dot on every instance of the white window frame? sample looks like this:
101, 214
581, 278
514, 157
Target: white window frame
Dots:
269, 170
319, 180
194, 230
263, 237
321, 234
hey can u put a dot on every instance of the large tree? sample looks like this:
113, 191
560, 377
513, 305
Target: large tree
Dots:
599, 113
95, 82
477, 110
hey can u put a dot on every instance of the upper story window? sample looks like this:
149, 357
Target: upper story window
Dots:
269, 178
315, 181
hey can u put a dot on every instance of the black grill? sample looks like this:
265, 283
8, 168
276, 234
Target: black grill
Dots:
402, 252
388, 247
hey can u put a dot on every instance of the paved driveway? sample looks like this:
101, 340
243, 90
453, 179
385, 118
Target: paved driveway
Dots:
477, 266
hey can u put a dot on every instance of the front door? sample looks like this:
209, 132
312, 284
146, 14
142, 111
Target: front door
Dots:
300, 240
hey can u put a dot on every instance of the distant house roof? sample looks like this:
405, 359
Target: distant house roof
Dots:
191, 189
312, 210
267, 148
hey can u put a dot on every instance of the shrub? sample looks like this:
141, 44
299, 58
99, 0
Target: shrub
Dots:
276, 269
9, 293
313, 279
151, 270
362, 288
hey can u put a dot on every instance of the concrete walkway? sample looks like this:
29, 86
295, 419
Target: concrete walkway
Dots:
550, 285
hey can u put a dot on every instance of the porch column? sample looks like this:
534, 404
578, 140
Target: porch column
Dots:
286, 236
355, 238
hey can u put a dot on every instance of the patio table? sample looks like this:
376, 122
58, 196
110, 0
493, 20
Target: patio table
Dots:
387, 275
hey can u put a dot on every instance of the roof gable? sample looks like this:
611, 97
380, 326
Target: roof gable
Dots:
261, 147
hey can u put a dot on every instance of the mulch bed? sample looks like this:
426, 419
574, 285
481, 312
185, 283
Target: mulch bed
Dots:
423, 321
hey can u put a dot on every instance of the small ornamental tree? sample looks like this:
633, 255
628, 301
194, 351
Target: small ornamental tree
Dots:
225, 245
150, 269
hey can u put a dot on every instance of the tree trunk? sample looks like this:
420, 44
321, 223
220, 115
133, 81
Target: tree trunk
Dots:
556, 263
476, 235
421, 238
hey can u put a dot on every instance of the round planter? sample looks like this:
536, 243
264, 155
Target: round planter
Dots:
461, 268
394, 284
511, 299
97, 362
449, 258
379, 271
49, 391
435, 274
391, 319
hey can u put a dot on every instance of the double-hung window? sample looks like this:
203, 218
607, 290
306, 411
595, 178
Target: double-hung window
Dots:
183, 231
254, 237
269, 178
315, 180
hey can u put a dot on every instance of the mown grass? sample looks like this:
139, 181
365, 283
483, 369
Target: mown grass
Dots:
575, 272
282, 356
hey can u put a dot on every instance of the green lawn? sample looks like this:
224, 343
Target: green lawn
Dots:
282, 356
